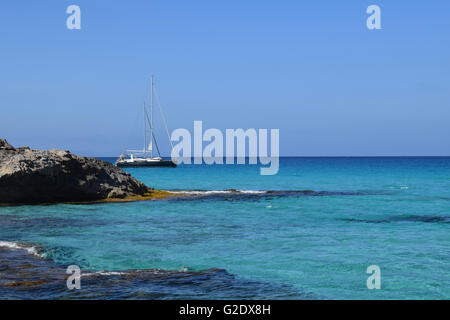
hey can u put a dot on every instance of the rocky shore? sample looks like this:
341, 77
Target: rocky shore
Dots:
30, 276
38, 177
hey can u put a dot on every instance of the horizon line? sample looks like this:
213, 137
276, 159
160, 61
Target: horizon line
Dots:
328, 156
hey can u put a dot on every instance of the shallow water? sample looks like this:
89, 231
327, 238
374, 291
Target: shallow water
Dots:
391, 212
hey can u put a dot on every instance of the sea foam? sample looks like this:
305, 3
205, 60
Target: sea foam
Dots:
31, 249
212, 192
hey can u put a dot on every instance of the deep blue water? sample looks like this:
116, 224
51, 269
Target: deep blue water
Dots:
390, 212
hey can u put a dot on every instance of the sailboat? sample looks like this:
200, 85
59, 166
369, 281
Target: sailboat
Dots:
144, 157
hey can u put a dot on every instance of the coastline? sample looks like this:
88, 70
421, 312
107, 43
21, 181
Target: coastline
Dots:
272, 231
153, 195
204, 194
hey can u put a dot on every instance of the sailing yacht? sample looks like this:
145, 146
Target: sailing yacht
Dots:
144, 157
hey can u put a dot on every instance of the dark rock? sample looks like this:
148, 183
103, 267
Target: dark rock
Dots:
4, 145
37, 176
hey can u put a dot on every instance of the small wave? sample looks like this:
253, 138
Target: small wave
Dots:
398, 187
103, 273
214, 192
31, 249
234, 194
146, 272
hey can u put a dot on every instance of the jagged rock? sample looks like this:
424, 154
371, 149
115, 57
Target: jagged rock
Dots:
37, 176
4, 145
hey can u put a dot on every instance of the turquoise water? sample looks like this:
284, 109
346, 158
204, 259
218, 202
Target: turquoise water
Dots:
390, 212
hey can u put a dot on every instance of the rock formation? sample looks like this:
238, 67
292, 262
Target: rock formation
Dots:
36, 176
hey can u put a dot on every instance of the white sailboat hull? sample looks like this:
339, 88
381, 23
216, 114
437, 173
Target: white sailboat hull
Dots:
145, 162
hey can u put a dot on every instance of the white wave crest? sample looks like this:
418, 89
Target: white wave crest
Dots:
22, 246
104, 273
212, 192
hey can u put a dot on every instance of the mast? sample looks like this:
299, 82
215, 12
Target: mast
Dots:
145, 131
151, 116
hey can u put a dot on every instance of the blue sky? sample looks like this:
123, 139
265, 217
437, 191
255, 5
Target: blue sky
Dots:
310, 68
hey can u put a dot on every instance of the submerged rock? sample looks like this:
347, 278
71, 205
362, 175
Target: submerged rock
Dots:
37, 176
30, 276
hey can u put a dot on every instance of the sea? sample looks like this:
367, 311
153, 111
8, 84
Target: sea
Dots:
315, 230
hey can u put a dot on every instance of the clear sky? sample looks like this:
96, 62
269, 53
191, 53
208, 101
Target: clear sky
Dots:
310, 68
